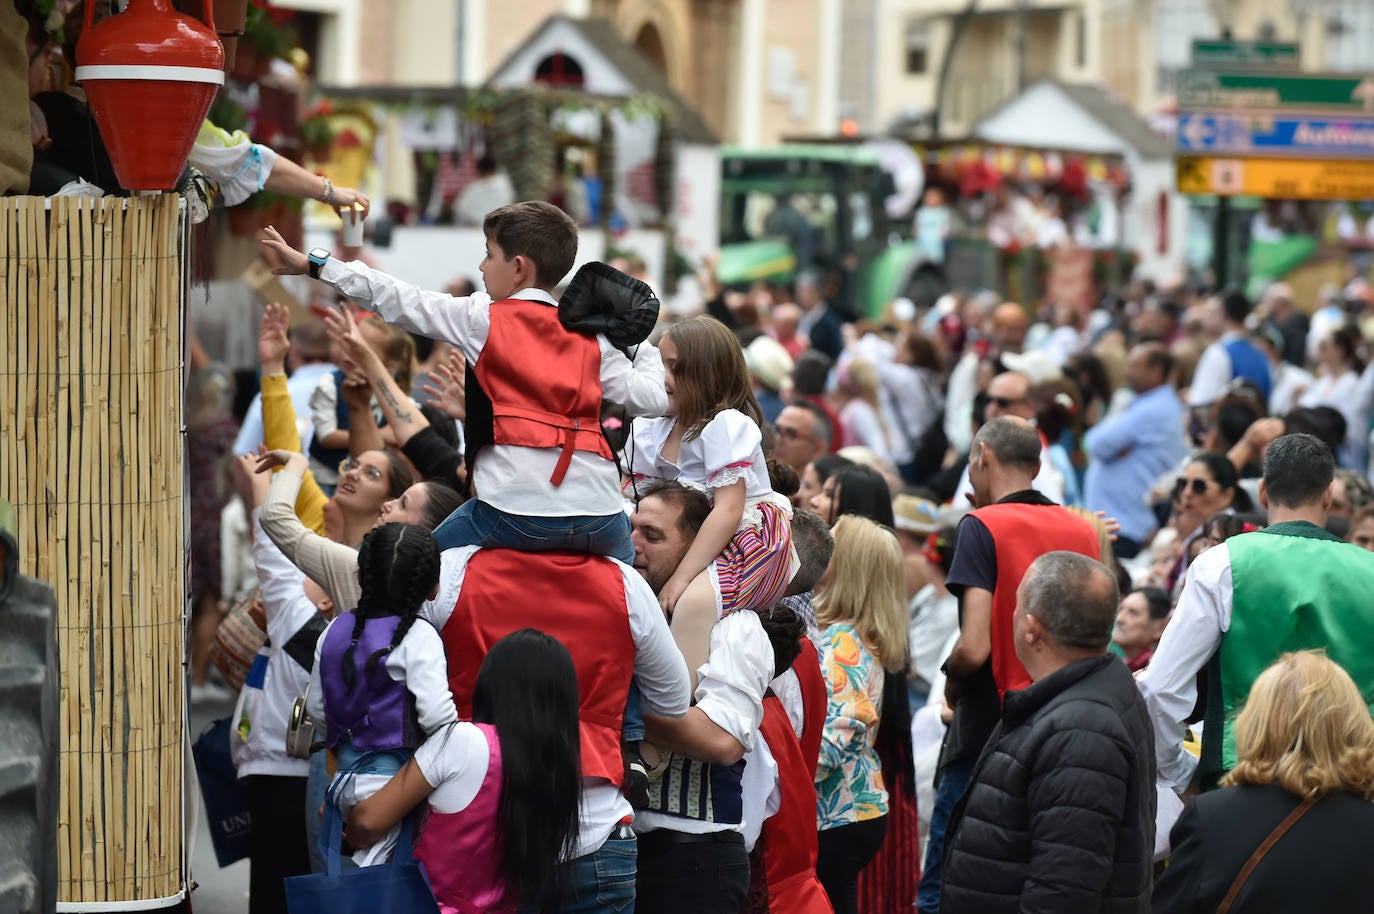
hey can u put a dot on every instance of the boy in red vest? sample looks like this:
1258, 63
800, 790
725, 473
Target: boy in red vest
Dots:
544, 477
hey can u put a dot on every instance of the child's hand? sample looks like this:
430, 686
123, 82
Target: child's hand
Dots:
270, 460
450, 394
272, 339
672, 592
247, 463
1111, 523
282, 257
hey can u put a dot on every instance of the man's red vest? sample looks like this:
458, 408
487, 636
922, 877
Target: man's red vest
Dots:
789, 836
815, 701
544, 382
1021, 534
578, 599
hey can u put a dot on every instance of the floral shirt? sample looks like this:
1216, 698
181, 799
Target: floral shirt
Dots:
849, 777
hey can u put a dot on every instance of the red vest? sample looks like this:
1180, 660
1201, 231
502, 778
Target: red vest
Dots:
789, 836
1021, 534
544, 382
815, 702
578, 599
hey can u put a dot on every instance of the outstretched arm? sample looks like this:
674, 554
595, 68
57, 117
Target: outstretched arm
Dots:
279, 414
695, 736
465, 322
294, 181
402, 416
371, 819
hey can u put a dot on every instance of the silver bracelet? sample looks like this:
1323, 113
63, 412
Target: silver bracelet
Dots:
328, 196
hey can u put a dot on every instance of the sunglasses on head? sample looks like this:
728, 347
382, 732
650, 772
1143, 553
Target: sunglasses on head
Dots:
1200, 486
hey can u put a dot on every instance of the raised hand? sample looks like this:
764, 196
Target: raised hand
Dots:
270, 460
282, 257
449, 394
273, 342
344, 331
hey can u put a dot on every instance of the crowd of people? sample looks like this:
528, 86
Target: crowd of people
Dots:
770, 609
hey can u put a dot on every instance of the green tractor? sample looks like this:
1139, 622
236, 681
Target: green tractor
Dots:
28, 734
819, 208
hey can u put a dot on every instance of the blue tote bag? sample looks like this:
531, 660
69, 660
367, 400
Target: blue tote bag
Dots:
226, 802
398, 886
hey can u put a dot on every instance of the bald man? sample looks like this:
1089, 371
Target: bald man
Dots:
1006, 329
1009, 394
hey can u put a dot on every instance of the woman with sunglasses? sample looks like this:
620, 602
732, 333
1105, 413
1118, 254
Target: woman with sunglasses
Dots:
1208, 485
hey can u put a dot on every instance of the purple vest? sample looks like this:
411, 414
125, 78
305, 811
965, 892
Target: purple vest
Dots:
460, 851
377, 712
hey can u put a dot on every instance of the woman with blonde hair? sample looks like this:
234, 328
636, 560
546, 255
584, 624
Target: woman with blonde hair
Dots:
1283, 834
861, 608
860, 415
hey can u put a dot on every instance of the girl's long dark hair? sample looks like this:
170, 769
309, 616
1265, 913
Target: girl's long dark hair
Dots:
398, 566
441, 500
527, 689
862, 490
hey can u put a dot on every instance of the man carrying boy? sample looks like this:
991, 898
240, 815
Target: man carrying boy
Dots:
547, 480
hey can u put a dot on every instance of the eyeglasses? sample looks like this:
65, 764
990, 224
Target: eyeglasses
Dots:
366, 470
1200, 486
1006, 402
791, 434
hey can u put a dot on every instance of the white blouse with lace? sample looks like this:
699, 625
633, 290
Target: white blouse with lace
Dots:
729, 448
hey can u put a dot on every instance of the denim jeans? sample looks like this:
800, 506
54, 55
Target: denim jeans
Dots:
632, 725
954, 780
476, 523
602, 882
316, 786
691, 874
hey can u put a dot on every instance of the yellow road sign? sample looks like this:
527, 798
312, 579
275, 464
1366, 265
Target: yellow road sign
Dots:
1285, 179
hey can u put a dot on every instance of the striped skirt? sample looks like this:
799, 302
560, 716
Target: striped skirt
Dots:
752, 572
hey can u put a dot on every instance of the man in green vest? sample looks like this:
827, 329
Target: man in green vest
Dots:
1289, 587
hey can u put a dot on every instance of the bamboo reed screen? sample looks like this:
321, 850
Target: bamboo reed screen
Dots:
91, 459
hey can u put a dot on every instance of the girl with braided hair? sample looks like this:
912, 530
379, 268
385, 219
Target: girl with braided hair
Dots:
380, 682
500, 794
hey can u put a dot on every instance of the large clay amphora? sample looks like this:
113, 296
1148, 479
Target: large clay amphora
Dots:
150, 74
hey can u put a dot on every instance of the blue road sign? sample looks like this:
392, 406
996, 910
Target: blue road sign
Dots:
1274, 134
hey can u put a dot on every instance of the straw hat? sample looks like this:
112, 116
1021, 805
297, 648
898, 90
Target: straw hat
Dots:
768, 361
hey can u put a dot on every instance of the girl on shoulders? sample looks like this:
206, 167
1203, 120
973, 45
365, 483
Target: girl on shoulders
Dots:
711, 438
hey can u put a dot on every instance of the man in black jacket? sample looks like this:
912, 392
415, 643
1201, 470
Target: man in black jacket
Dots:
1060, 815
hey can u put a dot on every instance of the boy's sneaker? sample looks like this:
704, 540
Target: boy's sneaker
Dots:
636, 786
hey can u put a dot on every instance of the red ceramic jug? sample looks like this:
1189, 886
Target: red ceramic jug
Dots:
150, 74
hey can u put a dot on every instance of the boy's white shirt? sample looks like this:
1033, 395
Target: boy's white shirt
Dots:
510, 478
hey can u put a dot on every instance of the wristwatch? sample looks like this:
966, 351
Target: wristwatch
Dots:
317, 258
